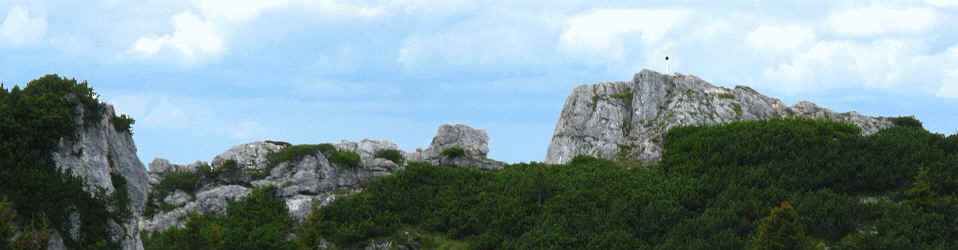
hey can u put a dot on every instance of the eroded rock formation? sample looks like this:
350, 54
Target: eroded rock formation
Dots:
626, 120
99, 151
304, 181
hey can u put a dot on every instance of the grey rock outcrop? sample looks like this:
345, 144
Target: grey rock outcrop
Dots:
626, 120
300, 182
310, 179
99, 151
475, 143
250, 155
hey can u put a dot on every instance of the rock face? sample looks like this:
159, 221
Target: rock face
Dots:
309, 180
626, 120
100, 151
301, 182
475, 143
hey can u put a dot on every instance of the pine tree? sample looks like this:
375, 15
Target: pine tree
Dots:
782, 229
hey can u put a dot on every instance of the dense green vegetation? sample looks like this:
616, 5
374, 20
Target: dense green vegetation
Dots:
259, 221
296, 153
32, 121
453, 152
33, 236
788, 184
344, 159
122, 123
392, 155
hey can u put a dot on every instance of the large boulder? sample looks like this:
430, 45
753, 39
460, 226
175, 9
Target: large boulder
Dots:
474, 142
250, 155
627, 120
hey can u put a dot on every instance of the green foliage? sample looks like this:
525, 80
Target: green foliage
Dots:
782, 229
259, 221
188, 181
345, 159
453, 152
33, 237
391, 154
230, 171
293, 153
122, 123
726, 96
7, 214
327, 148
120, 198
711, 190
921, 193
625, 97
32, 121
907, 121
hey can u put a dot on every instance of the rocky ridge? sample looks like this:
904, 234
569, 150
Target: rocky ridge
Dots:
99, 151
307, 180
626, 120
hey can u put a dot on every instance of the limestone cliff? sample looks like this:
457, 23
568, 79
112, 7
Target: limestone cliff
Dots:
626, 120
99, 151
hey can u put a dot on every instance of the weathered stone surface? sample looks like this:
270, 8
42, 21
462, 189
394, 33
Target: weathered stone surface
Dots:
250, 155
99, 151
366, 148
475, 142
213, 200
160, 167
177, 198
626, 120
312, 178
300, 183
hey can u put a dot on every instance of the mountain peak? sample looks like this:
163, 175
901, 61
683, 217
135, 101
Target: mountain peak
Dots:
626, 120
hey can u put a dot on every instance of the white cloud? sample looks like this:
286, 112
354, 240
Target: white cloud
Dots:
481, 48
877, 20
784, 38
204, 34
344, 9
607, 34
192, 37
881, 64
949, 82
19, 27
236, 10
495, 40
943, 3
949, 85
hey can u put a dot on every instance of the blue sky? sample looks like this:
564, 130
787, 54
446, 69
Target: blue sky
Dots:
201, 76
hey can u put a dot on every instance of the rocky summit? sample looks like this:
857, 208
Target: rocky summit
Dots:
626, 120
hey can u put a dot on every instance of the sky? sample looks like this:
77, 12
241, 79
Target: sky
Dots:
201, 76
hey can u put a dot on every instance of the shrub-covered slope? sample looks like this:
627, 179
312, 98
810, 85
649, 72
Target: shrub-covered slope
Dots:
714, 189
68, 169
